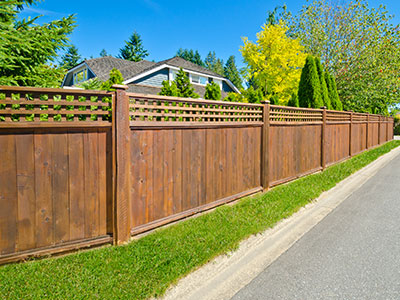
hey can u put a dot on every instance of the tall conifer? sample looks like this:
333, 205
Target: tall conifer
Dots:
310, 88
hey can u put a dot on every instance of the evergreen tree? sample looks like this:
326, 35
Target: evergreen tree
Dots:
213, 91
104, 53
234, 97
253, 96
324, 88
71, 58
309, 87
133, 49
333, 93
115, 78
169, 89
190, 55
231, 72
26, 48
210, 60
294, 101
274, 100
219, 67
184, 86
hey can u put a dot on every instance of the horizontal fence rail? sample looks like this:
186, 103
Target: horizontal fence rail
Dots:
83, 168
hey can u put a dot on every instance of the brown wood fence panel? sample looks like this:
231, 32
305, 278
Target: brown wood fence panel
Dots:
175, 171
337, 142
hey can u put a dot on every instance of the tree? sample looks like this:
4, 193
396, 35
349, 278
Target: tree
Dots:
324, 88
169, 89
104, 53
190, 55
231, 72
115, 78
180, 87
91, 84
294, 101
274, 61
27, 49
214, 64
309, 87
234, 97
71, 58
253, 95
213, 91
133, 49
358, 45
333, 93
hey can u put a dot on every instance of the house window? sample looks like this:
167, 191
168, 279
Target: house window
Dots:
199, 79
80, 76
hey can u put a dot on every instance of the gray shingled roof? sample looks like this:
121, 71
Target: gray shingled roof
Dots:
103, 65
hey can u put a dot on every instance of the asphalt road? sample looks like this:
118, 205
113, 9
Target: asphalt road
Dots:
354, 253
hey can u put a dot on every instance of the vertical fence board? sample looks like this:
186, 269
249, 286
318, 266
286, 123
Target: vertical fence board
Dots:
8, 195
25, 160
102, 199
177, 171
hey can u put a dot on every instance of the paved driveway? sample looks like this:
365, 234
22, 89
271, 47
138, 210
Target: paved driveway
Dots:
354, 253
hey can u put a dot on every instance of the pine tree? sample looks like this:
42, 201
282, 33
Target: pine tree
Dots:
231, 72
184, 86
133, 49
104, 53
190, 55
324, 88
333, 93
210, 60
169, 89
71, 58
294, 101
213, 91
309, 87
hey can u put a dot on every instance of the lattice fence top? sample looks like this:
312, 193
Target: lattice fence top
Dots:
22, 106
294, 115
333, 116
153, 110
360, 117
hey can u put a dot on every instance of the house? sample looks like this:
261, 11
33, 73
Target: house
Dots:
146, 77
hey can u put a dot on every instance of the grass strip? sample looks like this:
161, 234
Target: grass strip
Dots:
148, 266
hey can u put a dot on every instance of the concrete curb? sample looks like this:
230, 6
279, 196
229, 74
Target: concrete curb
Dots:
223, 277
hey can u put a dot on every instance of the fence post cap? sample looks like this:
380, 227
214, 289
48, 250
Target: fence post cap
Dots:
120, 86
265, 102
323, 107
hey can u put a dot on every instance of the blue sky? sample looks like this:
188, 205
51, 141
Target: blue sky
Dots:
166, 26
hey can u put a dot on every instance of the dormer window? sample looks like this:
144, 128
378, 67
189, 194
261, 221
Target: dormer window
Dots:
80, 76
198, 79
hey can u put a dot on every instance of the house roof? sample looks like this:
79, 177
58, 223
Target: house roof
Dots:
103, 65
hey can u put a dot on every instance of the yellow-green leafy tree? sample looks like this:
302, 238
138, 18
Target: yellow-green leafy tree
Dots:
274, 61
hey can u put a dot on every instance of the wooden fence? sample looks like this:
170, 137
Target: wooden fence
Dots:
74, 175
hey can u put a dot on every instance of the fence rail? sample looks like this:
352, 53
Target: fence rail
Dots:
82, 168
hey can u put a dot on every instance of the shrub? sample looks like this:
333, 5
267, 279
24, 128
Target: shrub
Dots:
310, 88
333, 93
235, 97
294, 101
324, 88
115, 78
169, 89
213, 91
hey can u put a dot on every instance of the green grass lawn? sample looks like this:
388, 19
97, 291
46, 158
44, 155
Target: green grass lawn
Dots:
148, 266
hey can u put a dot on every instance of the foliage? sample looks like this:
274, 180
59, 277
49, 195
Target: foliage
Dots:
213, 91
336, 104
71, 58
274, 100
235, 97
358, 45
146, 267
104, 53
253, 95
115, 78
324, 88
397, 124
214, 64
274, 61
190, 55
294, 100
133, 49
309, 87
91, 84
26, 49
169, 89
231, 72
180, 87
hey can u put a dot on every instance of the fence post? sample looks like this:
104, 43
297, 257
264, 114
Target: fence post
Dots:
379, 129
323, 138
265, 147
121, 148
367, 129
350, 134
